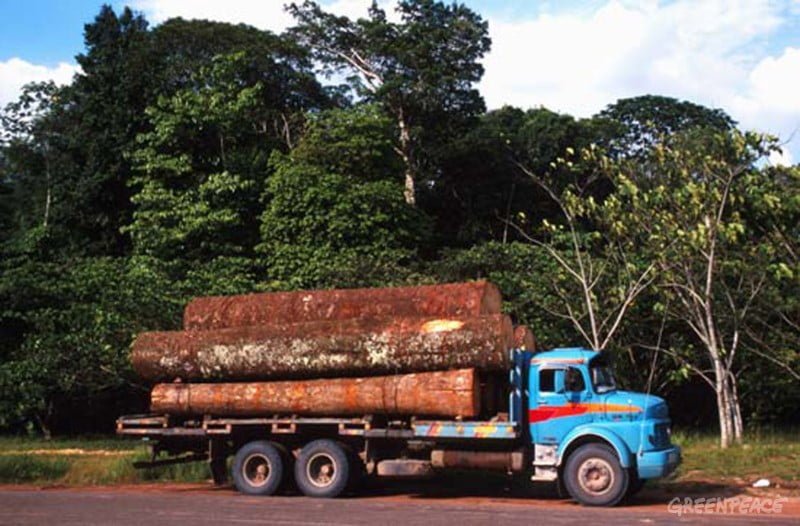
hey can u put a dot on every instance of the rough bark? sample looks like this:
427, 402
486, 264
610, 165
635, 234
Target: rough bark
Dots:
366, 346
728, 405
443, 394
453, 299
524, 338
406, 154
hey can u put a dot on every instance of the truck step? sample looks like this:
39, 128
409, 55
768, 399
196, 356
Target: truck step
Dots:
405, 468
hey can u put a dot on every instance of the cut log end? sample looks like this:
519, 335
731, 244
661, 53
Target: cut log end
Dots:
524, 338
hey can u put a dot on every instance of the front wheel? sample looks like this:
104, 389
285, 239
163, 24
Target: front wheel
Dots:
322, 469
593, 476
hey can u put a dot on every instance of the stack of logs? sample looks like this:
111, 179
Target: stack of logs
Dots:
396, 351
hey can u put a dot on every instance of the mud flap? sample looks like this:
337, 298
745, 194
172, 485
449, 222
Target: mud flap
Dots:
217, 461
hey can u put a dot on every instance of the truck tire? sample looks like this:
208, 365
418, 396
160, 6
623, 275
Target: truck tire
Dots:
322, 469
258, 468
593, 476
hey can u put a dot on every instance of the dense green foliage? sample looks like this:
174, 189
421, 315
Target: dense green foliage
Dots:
197, 158
335, 214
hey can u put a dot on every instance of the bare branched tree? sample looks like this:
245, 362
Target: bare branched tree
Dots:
607, 280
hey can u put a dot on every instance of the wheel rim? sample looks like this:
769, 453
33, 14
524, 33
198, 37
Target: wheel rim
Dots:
321, 470
256, 469
596, 476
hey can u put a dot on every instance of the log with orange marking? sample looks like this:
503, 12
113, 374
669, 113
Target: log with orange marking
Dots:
443, 394
468, 299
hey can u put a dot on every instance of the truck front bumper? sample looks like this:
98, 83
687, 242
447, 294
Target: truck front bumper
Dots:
656, 464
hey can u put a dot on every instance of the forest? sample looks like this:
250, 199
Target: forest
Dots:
197, 158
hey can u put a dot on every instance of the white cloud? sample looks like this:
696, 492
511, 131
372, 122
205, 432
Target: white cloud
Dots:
579, 62
267, 14
264, 14
15, 73
769, 100
711, 52
781, 158
775, 81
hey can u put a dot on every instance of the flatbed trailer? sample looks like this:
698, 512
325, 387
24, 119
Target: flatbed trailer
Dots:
565, 423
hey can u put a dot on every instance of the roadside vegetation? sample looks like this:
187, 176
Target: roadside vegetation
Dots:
771, 455
77, 462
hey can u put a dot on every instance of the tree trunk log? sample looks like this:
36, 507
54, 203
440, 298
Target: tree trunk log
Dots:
454, 299
523, 338
444, 394
325, 349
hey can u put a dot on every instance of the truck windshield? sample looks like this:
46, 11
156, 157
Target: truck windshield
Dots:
603, 378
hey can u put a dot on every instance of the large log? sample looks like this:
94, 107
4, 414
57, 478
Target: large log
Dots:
444, 394
524, 338
356, 347
453, 299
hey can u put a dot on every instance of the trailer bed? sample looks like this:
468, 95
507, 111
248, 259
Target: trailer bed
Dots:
164, 426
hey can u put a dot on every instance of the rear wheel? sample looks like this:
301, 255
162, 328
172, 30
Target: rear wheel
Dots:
594, 477
258, 468
322, 469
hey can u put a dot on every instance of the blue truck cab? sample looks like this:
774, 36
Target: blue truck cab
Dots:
568, 423
602, 441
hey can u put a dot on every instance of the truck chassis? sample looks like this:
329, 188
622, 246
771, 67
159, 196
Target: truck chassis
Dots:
266, 449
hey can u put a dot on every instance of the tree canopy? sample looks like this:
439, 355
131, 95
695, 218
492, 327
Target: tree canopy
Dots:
421, 70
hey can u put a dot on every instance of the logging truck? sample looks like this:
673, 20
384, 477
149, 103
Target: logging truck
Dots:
556, 416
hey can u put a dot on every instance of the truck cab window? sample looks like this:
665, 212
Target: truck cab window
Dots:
602, 377
574, 380
547, 381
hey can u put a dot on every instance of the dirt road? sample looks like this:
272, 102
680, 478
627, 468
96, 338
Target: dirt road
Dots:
197, 505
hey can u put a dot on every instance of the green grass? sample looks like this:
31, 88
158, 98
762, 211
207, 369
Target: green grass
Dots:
16, 469
90, 461
774, 455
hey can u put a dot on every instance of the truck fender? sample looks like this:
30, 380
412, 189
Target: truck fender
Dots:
596, 434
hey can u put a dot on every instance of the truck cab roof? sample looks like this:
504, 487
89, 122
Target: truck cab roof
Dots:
565, 355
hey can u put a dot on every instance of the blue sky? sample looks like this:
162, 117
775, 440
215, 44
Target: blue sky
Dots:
44, 31
571, 56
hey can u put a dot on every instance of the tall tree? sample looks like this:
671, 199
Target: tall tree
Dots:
31, 136
480, 187
106, 106
202, 166
422, 70
334, 216
180, 48
637, 123
597, 280
685, 210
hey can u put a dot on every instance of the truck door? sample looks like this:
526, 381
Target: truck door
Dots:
559, 400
